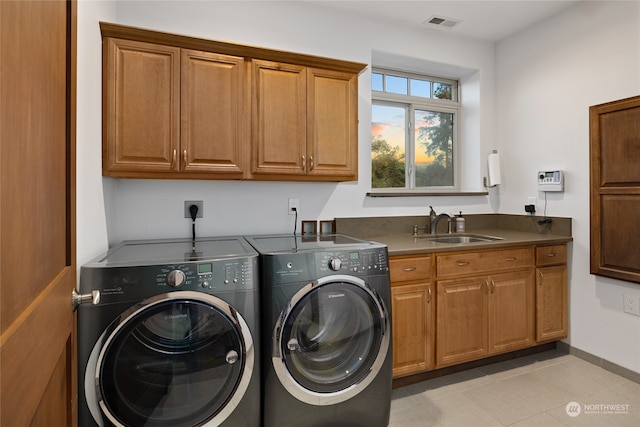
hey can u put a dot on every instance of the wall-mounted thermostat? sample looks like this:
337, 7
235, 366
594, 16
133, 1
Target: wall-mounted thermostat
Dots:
550, 181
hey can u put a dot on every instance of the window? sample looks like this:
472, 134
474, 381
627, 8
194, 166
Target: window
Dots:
413, 132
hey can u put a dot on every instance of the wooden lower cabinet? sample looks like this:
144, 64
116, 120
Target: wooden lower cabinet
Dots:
551, 293
412, 328
511, 314
413, 311
479, 315
476, 304
462, 318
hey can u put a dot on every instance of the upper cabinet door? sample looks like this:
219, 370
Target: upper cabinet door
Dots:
142, 107
213, 98
332, 123
278, 99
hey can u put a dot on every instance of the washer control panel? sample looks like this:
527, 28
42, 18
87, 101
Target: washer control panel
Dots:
219, 275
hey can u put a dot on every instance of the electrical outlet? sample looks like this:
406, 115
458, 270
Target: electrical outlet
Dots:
631, 304
294, 203
198, 203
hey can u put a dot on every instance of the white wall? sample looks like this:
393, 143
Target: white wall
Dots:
547, 77
154, 209
534, 90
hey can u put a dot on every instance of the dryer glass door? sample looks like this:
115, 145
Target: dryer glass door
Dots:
175, 362
333, 338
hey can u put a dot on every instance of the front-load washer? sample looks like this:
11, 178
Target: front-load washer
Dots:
326, 329
168, 335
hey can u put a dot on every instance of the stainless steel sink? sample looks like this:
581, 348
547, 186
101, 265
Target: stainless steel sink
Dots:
458, 238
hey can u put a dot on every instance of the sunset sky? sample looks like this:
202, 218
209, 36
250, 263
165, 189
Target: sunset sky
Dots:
388, 123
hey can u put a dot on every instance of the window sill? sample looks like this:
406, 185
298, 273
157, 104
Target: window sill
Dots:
426, 193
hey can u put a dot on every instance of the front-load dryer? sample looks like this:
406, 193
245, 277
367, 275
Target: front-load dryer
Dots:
168, 335
326, 328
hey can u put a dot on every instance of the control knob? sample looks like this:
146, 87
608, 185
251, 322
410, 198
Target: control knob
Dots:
335, 263
175, 278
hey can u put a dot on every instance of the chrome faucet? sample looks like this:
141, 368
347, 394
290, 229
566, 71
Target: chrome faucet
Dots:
436, 220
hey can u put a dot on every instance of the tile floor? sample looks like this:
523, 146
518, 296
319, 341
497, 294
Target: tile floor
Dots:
533, 391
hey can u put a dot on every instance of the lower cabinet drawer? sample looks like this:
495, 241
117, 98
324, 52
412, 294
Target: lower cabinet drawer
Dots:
479, 262
551, 255
410, 268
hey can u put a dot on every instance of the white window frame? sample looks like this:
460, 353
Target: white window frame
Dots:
411, 104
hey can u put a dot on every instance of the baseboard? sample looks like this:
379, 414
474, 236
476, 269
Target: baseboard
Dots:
598, 361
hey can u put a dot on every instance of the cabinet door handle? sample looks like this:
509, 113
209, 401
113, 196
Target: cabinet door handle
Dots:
311, 166
486, 289
552, 254
493, 286
304, 161
174, 156
541, 277
408, 269
511, 259
184, 158
429, 295
463, 263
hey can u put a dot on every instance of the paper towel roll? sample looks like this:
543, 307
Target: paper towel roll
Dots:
494, 169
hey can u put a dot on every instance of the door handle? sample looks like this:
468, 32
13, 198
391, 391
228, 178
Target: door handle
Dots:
77, 299
174, 157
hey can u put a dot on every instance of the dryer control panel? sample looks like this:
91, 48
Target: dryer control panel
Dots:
357, 261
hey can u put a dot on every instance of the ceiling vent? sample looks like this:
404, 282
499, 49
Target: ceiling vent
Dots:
442, 22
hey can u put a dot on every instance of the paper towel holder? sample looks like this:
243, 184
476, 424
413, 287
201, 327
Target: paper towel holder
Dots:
494, 178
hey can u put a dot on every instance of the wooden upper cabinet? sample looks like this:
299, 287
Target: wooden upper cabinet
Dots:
332, 123
181, 107
304, 122
279, 118
615, 188
212, 131
142, 107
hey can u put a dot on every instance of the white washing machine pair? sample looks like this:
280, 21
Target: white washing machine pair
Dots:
168, 335
326, 331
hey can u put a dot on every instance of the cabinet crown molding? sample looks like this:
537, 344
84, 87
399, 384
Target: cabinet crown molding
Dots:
150, 36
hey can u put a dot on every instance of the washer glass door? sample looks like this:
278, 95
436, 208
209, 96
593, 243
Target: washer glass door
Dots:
333, 338
174, 361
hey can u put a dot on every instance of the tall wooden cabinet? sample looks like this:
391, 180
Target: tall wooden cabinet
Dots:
181, 107
614, 133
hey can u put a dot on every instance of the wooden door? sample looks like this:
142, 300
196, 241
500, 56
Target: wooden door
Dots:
279, 117
37, 213
412, 328
551, 303
213, 114
511, 321
141, 108
332, 123
462, 320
